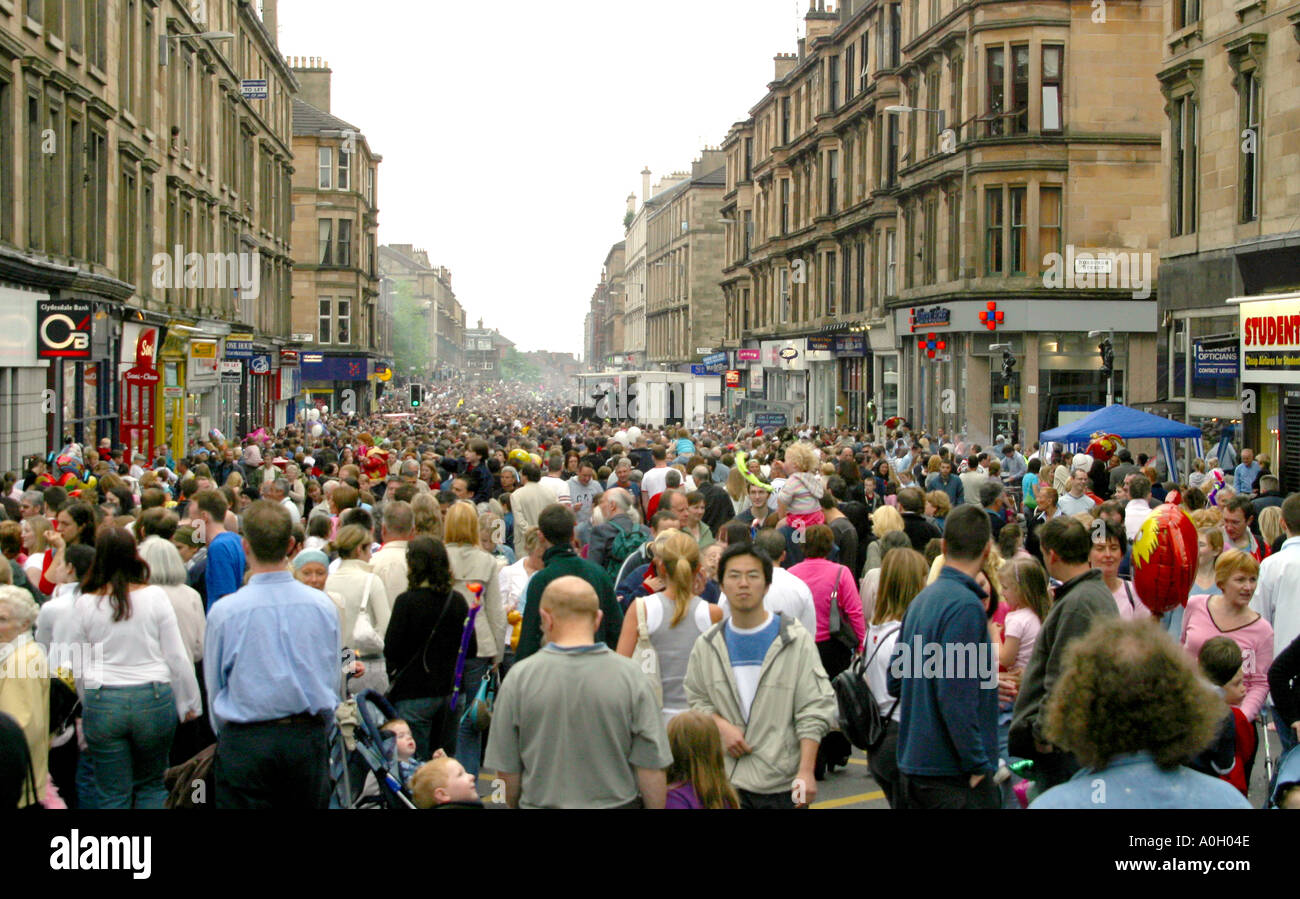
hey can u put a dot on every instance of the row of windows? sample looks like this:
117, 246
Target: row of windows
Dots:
334, 171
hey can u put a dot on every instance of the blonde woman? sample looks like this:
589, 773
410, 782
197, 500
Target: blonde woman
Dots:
428, 515
469, 562
738, 489
356, 585
1270, 526
24, 682
675, 616
883, 521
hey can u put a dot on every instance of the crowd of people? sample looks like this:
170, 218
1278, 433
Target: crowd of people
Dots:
568, 613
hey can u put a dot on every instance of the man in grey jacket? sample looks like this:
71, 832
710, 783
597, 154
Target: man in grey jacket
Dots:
759, 676
1081, 599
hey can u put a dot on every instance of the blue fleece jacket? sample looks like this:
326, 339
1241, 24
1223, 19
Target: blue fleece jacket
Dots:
944, 671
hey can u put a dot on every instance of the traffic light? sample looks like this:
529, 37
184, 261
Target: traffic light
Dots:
1008, 363
417, 395
1107, 357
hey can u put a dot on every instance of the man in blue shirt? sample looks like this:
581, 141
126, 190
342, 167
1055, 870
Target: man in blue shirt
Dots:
1243, 478
944, 671
272, 663
225, 565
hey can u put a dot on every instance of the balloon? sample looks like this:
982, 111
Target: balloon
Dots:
839, 410
317, 429
1103, 446
633, 432
758, 432
1164, 558
621, 438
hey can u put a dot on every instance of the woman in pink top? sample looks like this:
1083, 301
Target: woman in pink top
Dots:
1108, 548
1230, 615
825, 578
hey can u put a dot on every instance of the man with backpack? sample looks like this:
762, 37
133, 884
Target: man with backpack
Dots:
619, 536
557, 524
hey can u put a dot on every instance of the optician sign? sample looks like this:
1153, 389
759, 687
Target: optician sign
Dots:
1270, 338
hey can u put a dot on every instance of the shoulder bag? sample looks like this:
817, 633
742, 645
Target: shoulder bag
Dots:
365, 639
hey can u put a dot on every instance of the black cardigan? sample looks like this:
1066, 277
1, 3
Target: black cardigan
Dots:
413, 618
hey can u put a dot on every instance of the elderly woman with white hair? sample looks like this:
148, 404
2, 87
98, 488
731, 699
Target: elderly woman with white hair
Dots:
25, 682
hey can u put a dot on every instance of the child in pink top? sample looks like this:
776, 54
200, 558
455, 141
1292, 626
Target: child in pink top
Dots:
799, 500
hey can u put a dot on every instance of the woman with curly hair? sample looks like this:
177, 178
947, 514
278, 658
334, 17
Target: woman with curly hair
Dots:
1132, 709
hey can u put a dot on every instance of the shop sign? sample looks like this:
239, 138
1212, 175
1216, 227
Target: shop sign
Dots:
850, 345
139, 387
64, 329
1270, 341
1215, 360
289, 359
788, 353
232, 371
733, 379
749, 355
934, 317
239, 349
769, 420
820, 344
715, 359
697, 369
260, 364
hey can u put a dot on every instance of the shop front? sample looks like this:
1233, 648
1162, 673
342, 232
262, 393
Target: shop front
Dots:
26, 427
1269, 355
82, 338
1013, 367
337, 385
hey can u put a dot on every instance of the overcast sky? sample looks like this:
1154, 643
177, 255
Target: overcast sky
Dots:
512, 131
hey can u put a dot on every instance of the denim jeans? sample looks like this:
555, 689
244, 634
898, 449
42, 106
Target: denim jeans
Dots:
427, 717
469, 739
129, 734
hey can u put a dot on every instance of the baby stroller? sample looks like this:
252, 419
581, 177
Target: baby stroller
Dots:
372, 755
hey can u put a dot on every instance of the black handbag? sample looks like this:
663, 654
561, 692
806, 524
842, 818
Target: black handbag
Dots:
859, 713
841, 628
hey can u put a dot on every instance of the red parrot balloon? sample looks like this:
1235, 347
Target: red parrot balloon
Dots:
1164, 559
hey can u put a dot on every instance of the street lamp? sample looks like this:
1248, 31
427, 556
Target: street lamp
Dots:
164, 45
1107, 350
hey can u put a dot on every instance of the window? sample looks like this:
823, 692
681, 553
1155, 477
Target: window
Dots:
831, 284
345, 165
1052, 59
833, 81
34, 10
932, 102
1018, 244
954, 234
324, 320
1049, 220
326, 167
127, 227
785, 120
909, 247
126, 59
891, 265
1186, 12
785, 295
993, 230
850, 72
146, 70
913, 18
863, 44
345, 242
891, 150
749, 159
96, 33
1183, 139
76, 195
910, 93
326, 241
1020, 89
994, 90
748, 225
344, 320
785, 205
74, 24
895, 35
936, 13
146, 229
955, 78
33, 201
1250, 118
6, 161
370, 185
832, 181
930, 242
860, 273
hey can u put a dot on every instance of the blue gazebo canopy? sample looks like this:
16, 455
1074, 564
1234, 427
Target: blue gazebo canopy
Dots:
1129, 424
